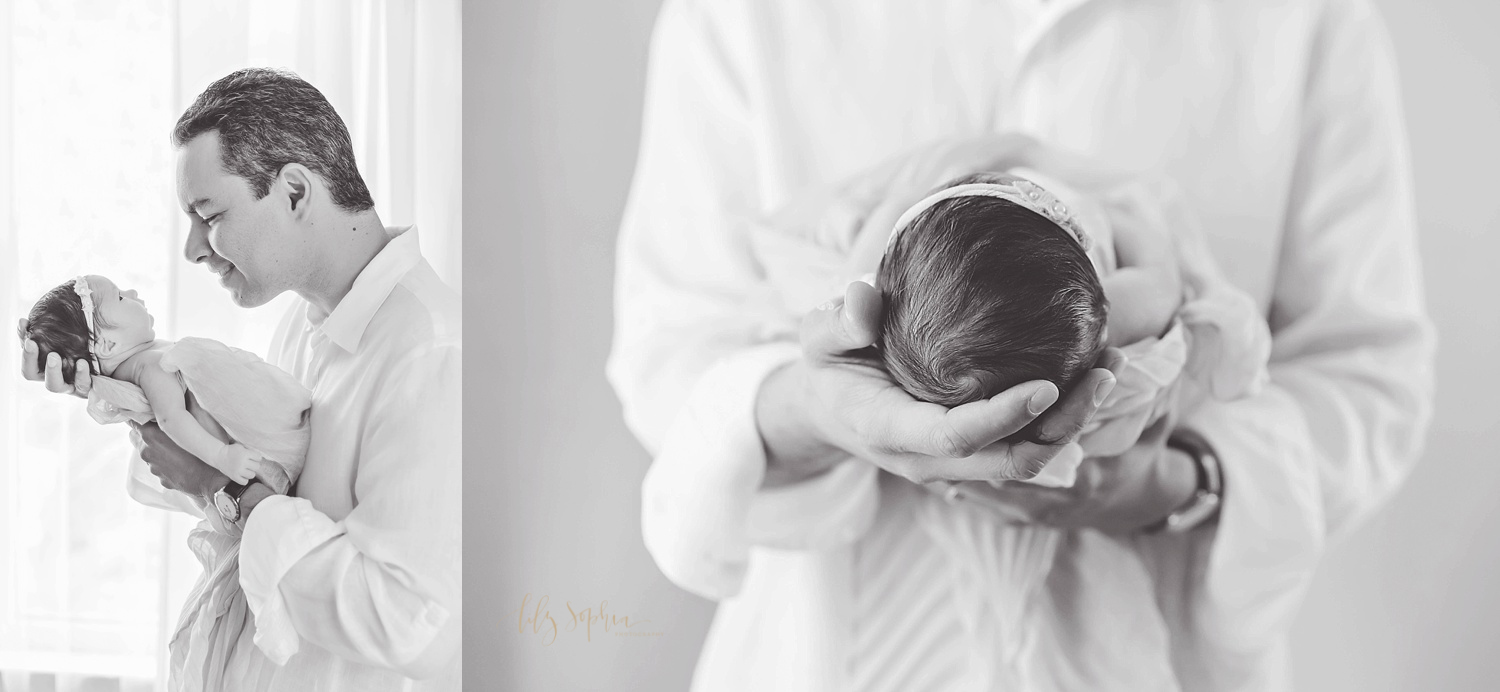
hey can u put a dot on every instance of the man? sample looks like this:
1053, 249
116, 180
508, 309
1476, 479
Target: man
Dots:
354, 580
764, 490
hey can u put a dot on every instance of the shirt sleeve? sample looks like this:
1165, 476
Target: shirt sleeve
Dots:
382, 586
1351, 368
687, 362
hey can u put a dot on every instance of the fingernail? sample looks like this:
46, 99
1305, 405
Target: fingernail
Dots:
1041, 399
1102, 391
29, 346
53, 360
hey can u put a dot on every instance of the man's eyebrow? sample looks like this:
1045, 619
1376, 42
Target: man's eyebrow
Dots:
192, 207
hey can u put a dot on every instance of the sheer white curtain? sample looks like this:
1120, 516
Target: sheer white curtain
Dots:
90, 581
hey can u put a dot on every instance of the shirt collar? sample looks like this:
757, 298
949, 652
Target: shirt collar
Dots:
346, 325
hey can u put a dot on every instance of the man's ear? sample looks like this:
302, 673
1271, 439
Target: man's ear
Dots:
296, 182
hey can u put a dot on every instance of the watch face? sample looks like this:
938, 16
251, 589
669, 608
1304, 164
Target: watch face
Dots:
228, 508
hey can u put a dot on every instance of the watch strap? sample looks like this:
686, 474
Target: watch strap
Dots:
1204, 504
237, 490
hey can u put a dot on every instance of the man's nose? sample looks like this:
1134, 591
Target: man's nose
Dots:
196, 248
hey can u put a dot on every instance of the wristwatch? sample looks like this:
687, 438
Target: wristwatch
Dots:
227, 500
1204, 504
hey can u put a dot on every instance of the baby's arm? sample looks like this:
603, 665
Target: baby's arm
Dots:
168, 401
1142, 302
1145, 292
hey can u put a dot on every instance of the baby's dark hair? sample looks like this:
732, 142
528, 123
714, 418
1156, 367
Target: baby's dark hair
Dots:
982, 294
57, 325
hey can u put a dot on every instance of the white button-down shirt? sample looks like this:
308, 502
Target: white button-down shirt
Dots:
1281, 122
355, 582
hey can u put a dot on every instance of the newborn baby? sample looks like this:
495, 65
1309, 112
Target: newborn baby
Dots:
236, 396
1000, 277
989, 283
227, 407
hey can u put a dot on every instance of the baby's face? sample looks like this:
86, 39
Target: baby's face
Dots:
129, 323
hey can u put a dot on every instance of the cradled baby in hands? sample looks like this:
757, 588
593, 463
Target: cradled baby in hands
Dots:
994, 280
991, 282
225, 406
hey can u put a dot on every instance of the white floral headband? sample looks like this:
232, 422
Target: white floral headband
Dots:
1019, 191
86, 296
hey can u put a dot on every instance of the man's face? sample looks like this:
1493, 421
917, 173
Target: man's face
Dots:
249, 244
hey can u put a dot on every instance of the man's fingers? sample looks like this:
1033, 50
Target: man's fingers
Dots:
1113, 360
1001, 461
924, 441
151, 432
928, 442
971, 427
83, 381
29, 367
1025, 460
843, 325
1066, 420
53, 376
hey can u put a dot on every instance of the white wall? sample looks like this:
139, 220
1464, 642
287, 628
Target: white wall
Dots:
552, 111
1408, 602
552, 94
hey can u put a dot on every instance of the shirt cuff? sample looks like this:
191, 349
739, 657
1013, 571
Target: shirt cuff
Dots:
279, 533
702, 506
1270, 532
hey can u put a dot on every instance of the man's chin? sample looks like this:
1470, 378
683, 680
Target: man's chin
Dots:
249, 296
247, 299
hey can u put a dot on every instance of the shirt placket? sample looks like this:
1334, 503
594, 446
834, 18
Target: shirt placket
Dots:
1041, 20
322, 353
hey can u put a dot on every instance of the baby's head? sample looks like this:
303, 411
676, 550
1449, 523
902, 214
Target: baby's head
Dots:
88, 318
982, 293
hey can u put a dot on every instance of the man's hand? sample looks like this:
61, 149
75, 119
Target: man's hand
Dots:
836, 402
175, 467
82, 381
1118, 494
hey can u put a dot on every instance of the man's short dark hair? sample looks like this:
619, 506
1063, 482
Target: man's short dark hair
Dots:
269, 118
982, 294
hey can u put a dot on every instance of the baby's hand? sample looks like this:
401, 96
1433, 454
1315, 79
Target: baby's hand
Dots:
238, 462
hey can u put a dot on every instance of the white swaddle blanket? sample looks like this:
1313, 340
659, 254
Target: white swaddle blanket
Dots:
265, 409
1217, 345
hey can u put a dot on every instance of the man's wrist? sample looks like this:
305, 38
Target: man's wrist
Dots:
1180, 480
212, 485
253, 495
794, 449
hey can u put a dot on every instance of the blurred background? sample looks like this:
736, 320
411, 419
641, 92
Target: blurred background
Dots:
552, 97
91, 583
